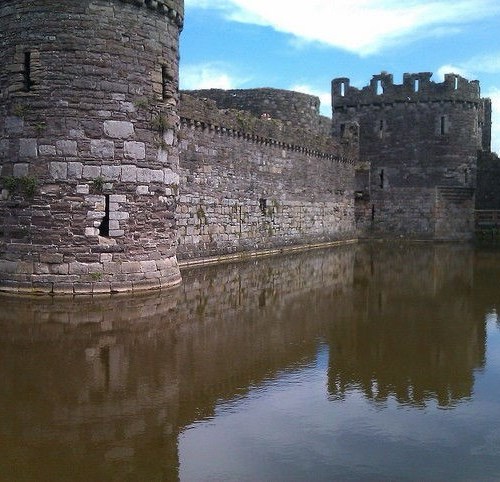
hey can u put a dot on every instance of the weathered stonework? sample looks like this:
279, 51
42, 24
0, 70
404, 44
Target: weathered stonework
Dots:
422, 140
88, 90
249, 184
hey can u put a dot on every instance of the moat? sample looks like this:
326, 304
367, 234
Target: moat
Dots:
364, 362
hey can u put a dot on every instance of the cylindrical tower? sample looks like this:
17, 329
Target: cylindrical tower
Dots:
88, 145
422, 139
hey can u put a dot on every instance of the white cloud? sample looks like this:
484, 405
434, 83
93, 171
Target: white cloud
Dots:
207, 76
324, 96
452, 69
361, 26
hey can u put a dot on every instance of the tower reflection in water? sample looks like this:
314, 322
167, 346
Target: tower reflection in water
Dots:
101, 388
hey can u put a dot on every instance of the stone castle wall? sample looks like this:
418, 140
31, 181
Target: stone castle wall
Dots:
88, 133
249, 183
422, 140
292, 108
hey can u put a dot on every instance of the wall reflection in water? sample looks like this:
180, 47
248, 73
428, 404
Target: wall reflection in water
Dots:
99, 389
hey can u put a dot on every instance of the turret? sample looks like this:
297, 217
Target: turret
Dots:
88, 145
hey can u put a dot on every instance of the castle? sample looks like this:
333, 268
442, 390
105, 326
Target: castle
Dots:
110, 176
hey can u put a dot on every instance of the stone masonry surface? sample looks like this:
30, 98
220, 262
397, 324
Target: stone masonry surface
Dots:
88, 124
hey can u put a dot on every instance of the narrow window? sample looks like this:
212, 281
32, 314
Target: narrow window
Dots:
443, 125
380, 89
455, 84
381, 179
342, 89
373, 217
417, 85
28, 82
263, 205
163, 82
342, 130
104, 226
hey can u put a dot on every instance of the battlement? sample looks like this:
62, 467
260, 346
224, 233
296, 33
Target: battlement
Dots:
417, 87
203, 113
173, 9
292, 108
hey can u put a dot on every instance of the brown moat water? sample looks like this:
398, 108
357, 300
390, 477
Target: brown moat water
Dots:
367, 362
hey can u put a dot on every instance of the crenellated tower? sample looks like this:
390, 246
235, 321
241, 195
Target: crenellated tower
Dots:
88, 145
421, 139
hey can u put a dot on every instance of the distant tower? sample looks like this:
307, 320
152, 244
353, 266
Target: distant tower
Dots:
421, 139
88, 145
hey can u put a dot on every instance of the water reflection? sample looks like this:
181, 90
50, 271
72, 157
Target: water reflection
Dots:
100, 389
414, 334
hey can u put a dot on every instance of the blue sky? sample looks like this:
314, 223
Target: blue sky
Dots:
303, 45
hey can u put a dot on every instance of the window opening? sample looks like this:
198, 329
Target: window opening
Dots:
455, 83
104, 226
380, 89
28, 82
342, 130
263, 205
381, 179
342, 89
163, 82
373, 216
443, 125
417, 85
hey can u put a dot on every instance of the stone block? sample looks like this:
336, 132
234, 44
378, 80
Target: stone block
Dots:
148, 266
118, 129
47, 150
111, 172
118, 215
66, 148
77, 133
75, 170
171, 177
4, 147
129, 173
28, 148
134, 150
149, 175
78, 268
82, 189
118, 198
91, 232
121, 286
20, 170
58, 170
131, 267
14, 125
51, 258
141, 190
116, 233
8, 267
91, 172
102, 148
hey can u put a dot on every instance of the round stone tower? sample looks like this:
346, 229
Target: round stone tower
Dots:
422, 140
88, 145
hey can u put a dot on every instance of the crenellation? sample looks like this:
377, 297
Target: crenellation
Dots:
416, 88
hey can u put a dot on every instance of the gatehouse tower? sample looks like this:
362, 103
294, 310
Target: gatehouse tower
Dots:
88, 145
421, 139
